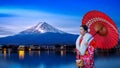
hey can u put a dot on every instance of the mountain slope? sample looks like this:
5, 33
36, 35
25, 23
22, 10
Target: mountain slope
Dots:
41, 27
41, 34
40, 39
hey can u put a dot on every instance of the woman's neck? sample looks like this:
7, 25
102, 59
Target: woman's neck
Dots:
83, 34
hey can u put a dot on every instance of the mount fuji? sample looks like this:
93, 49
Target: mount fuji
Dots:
40, 34
41, 27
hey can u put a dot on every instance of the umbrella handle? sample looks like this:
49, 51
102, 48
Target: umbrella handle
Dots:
95, 33
92, 36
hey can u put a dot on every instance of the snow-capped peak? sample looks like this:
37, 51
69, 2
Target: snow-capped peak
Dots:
42, 27
38, 27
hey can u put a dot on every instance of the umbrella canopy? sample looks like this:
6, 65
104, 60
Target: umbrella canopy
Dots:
102, 28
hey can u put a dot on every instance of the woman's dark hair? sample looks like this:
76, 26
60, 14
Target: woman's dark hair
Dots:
84, 27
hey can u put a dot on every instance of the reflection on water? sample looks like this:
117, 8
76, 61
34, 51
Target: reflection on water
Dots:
52, 59
9, 52
63, 52
21, 54
37, 59
4, 52
34, 52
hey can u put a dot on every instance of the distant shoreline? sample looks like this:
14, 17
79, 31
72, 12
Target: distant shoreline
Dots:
66, 48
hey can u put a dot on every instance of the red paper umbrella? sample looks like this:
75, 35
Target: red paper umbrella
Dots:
102, 28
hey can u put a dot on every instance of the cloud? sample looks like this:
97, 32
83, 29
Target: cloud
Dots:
5, 32
6, 15
72, 30
23, 18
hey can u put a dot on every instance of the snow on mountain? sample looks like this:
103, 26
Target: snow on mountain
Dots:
42, 27
41, 34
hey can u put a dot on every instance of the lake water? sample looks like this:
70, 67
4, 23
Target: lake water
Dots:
52, 59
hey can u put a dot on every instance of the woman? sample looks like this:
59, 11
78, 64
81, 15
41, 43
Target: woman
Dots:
85, 46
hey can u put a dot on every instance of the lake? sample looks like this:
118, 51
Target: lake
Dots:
52, 59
